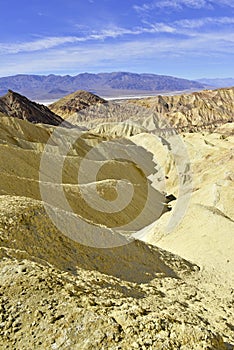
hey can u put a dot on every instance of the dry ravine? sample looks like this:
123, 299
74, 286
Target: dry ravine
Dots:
117, 281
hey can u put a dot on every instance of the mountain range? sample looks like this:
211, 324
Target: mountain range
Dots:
217, 82
40, 87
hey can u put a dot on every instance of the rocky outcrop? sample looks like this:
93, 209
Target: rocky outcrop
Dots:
193, 112
162, 115
126, 297
18, 106
75, 102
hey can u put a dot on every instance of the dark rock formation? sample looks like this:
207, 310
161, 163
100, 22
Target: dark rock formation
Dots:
17, 106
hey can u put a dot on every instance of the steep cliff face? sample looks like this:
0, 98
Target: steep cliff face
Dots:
18, 106
75, 102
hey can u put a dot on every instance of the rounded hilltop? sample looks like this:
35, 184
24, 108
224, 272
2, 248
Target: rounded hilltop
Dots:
75, 102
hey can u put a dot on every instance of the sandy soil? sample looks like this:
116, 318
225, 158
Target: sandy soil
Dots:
94, 287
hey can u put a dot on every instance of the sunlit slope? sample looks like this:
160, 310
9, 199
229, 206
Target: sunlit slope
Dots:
58, 284
204, 110
61, 281
75, 102
205, 234
24, 174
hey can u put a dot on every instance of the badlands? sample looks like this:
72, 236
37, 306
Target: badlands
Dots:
117, 222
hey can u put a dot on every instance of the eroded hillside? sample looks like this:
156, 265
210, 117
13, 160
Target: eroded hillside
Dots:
14, 105
74, 277
196, 111
75, 102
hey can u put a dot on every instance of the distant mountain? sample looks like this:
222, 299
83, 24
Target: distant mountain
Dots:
18, 106
41, 87
217, 82
75, 102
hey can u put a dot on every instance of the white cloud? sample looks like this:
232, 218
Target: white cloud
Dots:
105, 56
228, 3
200, 22
180, 4
172, 4
51, 42
190, 27
41, 44
187, 27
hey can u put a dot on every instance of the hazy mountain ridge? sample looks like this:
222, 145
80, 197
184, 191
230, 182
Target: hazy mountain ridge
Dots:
217, 82
49, 87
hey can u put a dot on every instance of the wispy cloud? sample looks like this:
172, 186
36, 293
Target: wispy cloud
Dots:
201, 22
191, 27
187, 27
153, 40
228, 3
172, 4
181, 4
51, 42
104, 56
36, 45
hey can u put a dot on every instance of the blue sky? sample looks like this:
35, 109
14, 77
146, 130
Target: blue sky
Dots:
184, 38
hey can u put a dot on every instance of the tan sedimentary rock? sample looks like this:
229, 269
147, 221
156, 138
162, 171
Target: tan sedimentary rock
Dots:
57, 293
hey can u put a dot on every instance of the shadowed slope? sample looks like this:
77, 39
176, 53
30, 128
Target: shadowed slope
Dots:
18, 106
